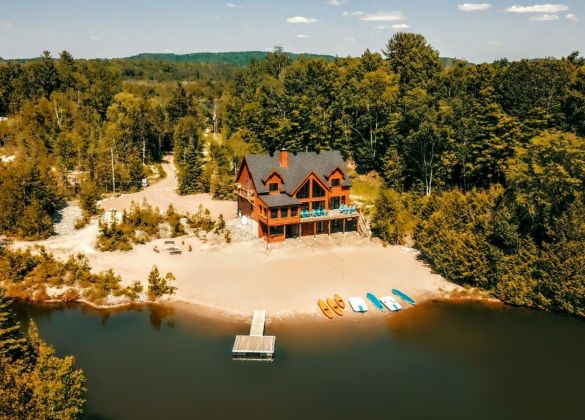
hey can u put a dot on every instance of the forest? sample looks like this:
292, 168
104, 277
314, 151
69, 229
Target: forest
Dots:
482, 165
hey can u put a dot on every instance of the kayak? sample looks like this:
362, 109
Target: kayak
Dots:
390, 303
326, 309
375, 301
358, 304
333, 304
403, 296
339, 301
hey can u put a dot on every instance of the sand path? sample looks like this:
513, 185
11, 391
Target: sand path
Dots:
164, 192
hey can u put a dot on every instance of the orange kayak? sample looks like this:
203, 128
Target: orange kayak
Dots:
326, 309
335, 306
339, 301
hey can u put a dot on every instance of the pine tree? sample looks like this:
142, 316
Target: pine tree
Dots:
191, 179
13, 344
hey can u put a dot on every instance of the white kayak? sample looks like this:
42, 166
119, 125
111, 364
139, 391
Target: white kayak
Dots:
358, 304
391, 303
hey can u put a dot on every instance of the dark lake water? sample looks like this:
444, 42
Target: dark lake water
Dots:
436, 361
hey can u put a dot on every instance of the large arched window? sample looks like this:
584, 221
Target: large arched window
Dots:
305, 189
318, 191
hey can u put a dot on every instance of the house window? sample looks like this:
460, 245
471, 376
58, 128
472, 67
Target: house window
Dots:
273, 186
293, 212
343, 200
335, 182
317, 190
320, 205
304, 191
276, 230
284, 212
334, 203
305, 206
274, 214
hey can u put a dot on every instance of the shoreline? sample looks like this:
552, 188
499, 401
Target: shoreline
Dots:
214, 314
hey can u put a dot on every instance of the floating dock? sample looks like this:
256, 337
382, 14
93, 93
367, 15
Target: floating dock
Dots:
255, 346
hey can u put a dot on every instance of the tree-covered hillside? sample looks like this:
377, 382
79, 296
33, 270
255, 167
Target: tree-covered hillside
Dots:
234, 58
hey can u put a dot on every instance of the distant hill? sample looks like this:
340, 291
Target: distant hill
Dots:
234, 58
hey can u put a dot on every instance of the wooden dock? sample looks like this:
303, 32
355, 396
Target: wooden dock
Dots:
255, 346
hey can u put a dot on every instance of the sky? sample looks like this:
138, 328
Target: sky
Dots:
478, 32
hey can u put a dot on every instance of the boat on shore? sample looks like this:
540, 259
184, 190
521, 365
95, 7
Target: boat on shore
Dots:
391, 303
325, 308
375, 301
358, 304
333, 305
403, 296
339, 301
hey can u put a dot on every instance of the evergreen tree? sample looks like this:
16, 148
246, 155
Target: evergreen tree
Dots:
179, 105
191, 171
12, 344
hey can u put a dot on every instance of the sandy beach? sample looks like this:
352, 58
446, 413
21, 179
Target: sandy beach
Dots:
233, 279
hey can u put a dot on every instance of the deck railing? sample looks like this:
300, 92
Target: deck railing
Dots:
341, 213
245, 193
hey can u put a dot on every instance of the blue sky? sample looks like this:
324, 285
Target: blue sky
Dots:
477, 31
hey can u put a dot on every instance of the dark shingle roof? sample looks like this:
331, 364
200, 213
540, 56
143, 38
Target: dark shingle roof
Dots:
280, 200
300, 165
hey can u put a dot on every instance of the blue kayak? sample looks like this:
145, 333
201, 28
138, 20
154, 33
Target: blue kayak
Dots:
375, 301
403, 296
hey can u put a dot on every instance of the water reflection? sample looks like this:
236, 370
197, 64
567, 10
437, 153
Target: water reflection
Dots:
442, 360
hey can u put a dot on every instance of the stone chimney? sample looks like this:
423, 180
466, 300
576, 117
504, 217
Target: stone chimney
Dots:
283, 158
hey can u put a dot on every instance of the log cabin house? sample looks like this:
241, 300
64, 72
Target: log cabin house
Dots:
288, 195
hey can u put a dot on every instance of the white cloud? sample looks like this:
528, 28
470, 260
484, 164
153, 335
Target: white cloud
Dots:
94, 37
400, 26
474, 7
544, 18
572, 17
538, 8
303, 36
234, 5
6, 26
336, 2
495, 43
357, 13
383, 17
301, 19
349, 39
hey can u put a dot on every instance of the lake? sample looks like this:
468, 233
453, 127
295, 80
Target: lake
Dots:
451, 360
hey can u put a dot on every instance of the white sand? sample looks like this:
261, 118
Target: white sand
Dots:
238, 278
235, 279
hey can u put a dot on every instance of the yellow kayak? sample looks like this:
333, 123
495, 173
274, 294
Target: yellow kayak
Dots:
333, 304
326, 309
339, 301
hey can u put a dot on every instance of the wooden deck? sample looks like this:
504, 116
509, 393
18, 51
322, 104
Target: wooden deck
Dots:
255, 346
331, 215
257, 328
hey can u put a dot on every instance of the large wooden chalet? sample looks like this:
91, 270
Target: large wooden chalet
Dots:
287, 195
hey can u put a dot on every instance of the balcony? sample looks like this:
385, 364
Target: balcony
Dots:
245, 193
324, 215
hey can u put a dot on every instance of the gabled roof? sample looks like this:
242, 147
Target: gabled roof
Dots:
300, 165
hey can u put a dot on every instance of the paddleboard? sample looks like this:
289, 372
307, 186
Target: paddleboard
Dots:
403, 296
375, 301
